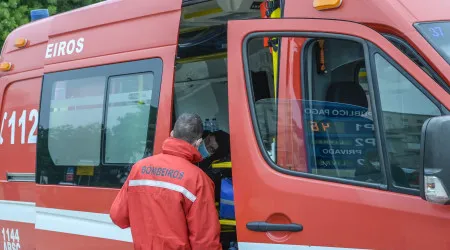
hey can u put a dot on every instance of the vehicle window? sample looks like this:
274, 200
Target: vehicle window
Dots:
201, 87
404, 47
76, 109
322, 123
127, 117
405, 109
96, 122
437, 34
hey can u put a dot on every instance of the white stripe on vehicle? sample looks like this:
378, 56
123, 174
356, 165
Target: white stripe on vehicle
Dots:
18, 211
166, 185
63, 221
80, 223
267, 246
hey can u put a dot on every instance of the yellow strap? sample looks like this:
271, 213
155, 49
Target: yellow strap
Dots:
275, 72
228, 222
226, 164
275, 55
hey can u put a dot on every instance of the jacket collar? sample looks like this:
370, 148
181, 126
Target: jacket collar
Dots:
180, 148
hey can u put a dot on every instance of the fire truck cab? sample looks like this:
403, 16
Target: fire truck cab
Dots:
337, 113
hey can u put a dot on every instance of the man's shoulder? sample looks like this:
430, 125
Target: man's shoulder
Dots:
147, 161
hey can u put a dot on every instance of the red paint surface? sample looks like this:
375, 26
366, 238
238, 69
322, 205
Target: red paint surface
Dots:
25, 232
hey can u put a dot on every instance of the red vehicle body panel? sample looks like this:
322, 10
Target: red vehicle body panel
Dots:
124, 30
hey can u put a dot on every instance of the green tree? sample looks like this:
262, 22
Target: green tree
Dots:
14, 13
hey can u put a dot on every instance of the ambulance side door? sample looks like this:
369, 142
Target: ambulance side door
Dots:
105, 104
329, 156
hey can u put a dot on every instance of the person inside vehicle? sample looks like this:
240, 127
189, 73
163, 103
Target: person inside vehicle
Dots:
216, 149
216, 146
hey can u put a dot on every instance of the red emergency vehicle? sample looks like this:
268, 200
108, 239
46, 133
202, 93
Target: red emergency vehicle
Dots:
336, 109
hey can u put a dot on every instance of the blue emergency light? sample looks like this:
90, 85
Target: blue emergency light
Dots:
39, 14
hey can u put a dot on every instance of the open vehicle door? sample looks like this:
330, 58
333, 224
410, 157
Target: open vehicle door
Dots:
329, 156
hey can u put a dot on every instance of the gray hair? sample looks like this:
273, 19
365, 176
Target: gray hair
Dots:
188, 127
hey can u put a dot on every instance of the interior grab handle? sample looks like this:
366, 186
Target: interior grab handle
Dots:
261, 226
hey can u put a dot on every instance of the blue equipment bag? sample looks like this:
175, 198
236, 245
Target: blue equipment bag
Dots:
226, 210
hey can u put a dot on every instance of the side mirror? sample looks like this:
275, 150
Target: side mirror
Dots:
435, 160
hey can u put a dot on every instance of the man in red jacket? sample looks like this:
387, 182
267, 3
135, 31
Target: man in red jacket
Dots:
168, 201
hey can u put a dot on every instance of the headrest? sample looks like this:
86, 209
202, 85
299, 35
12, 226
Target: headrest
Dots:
347, 92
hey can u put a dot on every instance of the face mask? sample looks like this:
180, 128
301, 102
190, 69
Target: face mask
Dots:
203, 151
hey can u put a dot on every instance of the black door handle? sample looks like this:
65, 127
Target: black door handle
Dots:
260, 226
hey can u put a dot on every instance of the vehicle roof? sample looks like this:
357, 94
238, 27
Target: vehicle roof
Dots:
429, 10
391, 14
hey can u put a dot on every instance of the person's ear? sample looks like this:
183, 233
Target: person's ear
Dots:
171, 133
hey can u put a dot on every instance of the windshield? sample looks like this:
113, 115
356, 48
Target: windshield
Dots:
438, 35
